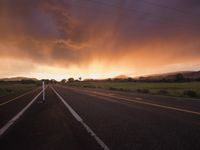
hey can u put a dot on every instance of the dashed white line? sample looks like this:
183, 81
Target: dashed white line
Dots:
15, 118
78, 118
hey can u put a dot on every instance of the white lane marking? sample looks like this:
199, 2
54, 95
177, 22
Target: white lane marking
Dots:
78, 118
142, 102
43, 91
15, 118
4, 103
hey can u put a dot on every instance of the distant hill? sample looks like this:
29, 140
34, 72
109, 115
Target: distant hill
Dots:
121, 77
18, 79
168, 76
172, 75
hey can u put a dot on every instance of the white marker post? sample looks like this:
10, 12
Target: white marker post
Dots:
43, 88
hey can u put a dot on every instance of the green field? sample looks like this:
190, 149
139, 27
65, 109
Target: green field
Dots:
186, 89
11, 88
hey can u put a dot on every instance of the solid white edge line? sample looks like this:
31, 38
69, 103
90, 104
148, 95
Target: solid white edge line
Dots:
16, 117
78, 118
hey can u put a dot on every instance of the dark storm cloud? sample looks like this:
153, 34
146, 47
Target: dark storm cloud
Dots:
77, 31
34, 27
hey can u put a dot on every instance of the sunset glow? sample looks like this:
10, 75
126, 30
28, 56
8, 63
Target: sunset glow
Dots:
92, 39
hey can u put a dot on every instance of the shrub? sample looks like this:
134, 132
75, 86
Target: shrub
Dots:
145, 91
89, 86
1, 90
9, 90
122, 89
163, 92
113, 88
118, 89
190, 93
179, 78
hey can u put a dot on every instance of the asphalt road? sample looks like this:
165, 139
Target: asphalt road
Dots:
76, 119
11, 105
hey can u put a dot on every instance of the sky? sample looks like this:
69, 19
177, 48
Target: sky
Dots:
59, 39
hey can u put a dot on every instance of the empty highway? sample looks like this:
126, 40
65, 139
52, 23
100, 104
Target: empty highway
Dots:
75, 119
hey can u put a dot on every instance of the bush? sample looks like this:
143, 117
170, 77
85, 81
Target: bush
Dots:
190, 93
28, 82
1, 90
145, 91
9, 90
113, 88
163, 92
179, 78
89, 86
122, 89
118, 89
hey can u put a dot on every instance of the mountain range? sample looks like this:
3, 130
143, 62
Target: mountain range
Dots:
171, 75
17, 79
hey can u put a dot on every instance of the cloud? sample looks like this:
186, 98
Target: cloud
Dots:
77, 33
21, 67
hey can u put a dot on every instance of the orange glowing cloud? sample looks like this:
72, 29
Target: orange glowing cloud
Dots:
63, 38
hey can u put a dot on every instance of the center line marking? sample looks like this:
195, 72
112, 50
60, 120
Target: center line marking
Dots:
157, 105
79, 119
141, 102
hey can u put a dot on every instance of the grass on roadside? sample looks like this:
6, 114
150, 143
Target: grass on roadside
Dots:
185, 89
12, 88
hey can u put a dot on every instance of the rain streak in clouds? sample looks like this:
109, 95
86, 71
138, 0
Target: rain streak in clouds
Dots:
107, 37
